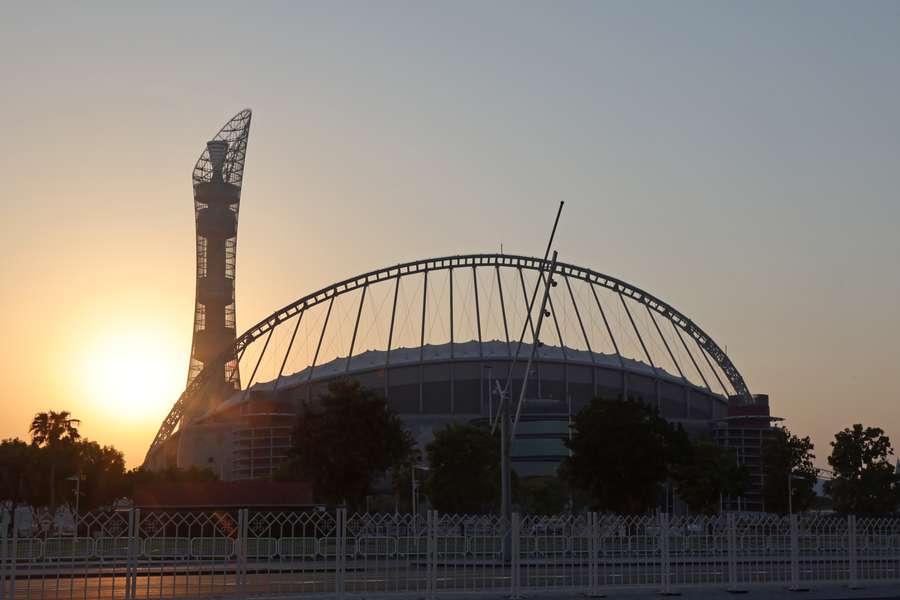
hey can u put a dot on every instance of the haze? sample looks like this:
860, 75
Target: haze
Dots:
739, 160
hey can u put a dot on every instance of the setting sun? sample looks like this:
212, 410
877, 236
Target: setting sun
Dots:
142, 371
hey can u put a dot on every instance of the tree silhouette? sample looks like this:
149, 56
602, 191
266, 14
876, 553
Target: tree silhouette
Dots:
621, 454
19, 469
705, 474
788, 464
864, 477
542, 495
56, 433
464, 475
102, 469
344, 449
51, 428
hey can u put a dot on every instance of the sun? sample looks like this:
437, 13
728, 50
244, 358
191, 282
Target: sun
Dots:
131, 376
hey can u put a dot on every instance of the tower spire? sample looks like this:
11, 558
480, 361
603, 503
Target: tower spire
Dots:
217, 180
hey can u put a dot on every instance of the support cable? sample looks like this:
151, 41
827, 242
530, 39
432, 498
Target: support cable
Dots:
288, 351
256, 367
319, 344
451, 313
691, 356
580, 322
608, 328
478, 312
387, 357
665, 343
503, 311
528, 307
362, 299
637, 331
424, 304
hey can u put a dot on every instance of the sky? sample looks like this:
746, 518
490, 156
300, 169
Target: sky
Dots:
739, 160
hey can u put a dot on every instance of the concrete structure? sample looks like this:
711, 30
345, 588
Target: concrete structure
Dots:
744, 429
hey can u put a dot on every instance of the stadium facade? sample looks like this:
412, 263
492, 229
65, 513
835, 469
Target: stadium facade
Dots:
431, 335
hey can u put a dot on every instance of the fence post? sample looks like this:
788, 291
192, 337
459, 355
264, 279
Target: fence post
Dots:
732, 555
4, 525
238, 584
129, 553
515, 531
795, 555
240, 552
664, 556
340, 553
853, 551
132, 552
12, 559
594, 555
430, 553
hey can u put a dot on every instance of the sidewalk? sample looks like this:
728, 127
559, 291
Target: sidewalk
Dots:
823, 592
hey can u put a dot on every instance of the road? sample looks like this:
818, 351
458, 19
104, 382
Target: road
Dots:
158, 580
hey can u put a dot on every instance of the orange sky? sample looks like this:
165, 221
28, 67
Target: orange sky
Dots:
738, 161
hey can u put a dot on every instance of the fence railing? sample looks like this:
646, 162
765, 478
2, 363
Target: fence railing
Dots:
237, 553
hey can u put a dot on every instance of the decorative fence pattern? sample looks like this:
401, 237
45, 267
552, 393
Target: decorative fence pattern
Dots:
131, 555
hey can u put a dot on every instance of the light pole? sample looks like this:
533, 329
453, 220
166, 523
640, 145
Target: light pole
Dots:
504, 410
77, 479
414, 485
790, 492
791, 479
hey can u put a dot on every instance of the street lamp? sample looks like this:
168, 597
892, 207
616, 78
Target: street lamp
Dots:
414, 485
77, 479
791, 479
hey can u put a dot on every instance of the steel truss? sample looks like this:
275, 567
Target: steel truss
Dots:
711, 351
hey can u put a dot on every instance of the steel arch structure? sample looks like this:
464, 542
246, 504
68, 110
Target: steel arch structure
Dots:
565, 272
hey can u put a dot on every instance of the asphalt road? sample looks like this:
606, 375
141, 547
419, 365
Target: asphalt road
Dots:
155, 580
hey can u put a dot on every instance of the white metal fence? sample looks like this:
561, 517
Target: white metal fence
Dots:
135, 555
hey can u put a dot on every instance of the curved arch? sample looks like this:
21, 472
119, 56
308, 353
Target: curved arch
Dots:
700, 337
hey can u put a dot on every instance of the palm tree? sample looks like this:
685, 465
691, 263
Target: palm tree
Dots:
52, 430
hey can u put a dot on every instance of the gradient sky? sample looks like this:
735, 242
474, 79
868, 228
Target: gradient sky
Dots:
740, 160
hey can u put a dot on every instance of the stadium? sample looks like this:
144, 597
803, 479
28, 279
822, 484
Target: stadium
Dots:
431, 335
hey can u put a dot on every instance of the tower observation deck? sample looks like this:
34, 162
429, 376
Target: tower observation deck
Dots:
217, 180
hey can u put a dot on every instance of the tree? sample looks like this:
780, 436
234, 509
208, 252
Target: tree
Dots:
51, 428
102, 473
707, 473
56, 433
464, 475
18, 474
346, 447
141, 476
864, 477
542, 495
787, 462
621, 453
401, 481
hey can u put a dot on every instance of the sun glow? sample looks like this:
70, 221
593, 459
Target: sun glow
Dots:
130, 377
